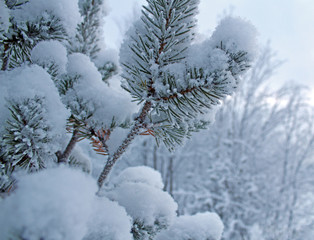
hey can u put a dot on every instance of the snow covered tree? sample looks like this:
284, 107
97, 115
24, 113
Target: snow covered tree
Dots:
177, 82
53, 94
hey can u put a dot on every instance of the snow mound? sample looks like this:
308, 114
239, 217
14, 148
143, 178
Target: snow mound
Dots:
236, 34
46, 53
141, 174
51, 204
144, 203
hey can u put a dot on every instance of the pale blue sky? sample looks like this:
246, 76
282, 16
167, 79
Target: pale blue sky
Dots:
288, 24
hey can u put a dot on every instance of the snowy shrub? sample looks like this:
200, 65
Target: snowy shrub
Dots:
138, 191
202, 226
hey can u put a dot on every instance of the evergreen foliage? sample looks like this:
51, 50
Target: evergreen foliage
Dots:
22, 37
87, 38
159, 69
26, 140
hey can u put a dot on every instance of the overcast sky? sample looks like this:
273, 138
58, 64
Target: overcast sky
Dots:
288, 24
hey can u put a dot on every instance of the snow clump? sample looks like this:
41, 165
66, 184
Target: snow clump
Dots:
99, 99
52, 204
151, 208
46, 53
108, 221
140, 174
236, 34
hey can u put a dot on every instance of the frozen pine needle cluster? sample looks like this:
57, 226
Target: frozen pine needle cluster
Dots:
178, 82
55, 91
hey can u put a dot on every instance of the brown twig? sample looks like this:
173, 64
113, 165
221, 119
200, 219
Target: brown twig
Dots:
99, 141
63, 157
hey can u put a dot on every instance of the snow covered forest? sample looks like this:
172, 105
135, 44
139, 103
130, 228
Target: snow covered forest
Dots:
175, 137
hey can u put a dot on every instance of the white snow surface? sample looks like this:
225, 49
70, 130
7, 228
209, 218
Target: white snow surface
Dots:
50, 52
51, 204
4, 18
27, 82
145, 203
236, 35
108, 221
104, 101
203, 55
67, 11
140, 174
202, 226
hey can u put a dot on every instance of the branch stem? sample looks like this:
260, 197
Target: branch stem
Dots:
63, 157
126, 142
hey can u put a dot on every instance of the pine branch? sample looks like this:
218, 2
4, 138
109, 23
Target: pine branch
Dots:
20, 39
127, 141
154, 10
24, 138
164, 74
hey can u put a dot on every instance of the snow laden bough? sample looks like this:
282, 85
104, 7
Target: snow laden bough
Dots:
178, 82
60, 204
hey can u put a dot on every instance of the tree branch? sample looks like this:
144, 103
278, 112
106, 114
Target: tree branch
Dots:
134, 131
